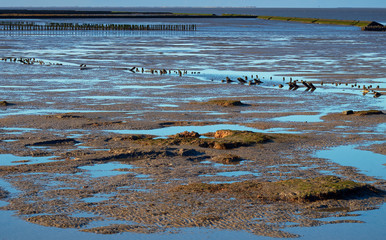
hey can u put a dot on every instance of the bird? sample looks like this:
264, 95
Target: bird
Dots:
242, 81
228, 80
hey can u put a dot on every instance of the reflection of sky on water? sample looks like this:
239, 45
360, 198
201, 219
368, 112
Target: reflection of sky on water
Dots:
106, 169
12, 160
367, 162
372, 228
166, 131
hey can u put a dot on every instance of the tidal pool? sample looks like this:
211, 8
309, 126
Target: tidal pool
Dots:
19, 130
299, 118
374, 227
98, 198
177, 129
367, 162
110, 169
12, 160
106, 169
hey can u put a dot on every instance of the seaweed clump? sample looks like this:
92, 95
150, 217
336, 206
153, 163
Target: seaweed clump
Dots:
293, 190
222, 139
362, 113
227, 159
225, 103
368, 112
228, 139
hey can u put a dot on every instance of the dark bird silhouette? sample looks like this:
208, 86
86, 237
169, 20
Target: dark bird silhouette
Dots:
242, 81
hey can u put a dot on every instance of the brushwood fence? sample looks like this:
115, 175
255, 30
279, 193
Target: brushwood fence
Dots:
31, 26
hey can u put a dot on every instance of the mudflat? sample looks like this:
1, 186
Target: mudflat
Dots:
158, 149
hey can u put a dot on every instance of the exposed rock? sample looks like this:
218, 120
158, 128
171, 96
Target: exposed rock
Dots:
348, 112
187, 134
227, 159
223, 133
188, 152
55, 142
226, 103
221, 146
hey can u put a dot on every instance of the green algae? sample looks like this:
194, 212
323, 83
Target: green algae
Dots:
222, 139
227, 159
293, 190
223, 103
368, 112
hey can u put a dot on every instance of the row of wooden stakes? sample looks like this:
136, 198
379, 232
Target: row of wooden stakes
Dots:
28, 26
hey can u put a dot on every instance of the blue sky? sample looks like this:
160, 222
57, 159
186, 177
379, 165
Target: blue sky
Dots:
195, 3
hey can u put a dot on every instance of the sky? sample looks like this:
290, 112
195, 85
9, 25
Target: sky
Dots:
197, 3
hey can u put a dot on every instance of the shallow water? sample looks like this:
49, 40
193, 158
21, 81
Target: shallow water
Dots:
11, 225
167, 131
97, 198
372, 228
299, 118
367, 162
12, 160
107, 169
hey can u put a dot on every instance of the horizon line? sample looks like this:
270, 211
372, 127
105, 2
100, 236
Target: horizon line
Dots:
191, 7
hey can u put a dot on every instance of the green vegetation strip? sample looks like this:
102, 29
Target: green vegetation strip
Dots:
293, 190
318, 21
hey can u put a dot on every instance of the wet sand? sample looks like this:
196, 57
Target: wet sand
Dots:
136, 190
93, 146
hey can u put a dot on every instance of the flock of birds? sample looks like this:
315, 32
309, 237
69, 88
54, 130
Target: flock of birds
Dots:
255, 80
27, 61
293, 85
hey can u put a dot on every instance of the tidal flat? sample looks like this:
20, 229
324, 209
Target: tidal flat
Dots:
158, 134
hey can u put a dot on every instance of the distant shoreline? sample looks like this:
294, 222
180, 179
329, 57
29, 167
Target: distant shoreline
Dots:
12, 14
67, 14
